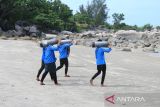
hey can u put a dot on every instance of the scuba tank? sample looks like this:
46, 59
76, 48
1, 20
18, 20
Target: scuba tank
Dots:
100, 44
65, 41
45, 43
48, 36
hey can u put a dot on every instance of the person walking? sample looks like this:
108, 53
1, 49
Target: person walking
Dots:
64, 51
50, 65
100, 62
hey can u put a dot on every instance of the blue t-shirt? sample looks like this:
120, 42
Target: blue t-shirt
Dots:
43, 53
63, 50
99, 53
49, 56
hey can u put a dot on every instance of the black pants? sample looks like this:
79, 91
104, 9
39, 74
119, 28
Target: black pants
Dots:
63, 62
51, 68
41, 69
103, 69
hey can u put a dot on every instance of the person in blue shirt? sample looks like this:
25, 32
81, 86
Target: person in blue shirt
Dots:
64, 50
100, 62
42, 63
50, 66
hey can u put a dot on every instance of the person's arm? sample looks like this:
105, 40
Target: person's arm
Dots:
68, 44
107, 50
54, 48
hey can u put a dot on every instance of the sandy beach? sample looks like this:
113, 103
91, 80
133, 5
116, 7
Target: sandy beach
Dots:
133, 72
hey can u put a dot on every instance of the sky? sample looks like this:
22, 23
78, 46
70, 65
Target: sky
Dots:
137, 12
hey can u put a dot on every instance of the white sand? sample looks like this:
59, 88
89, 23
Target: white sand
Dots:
20, 61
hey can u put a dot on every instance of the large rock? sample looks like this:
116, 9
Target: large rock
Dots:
26, 30
88, 34
33, 29
19, 30
33, 35
129, 35
53, 32
11, 33
23, 29
19, 33
144, 37
149, 49
150, 38
146, 44
85, 42
66, 33
125, 44
157, 49
155, 37
127, 49
101, 33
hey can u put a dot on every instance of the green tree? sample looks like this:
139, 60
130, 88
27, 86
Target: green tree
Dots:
94, 14
117, 18
13, 10
148, 27
47, 14
158, 27
64, 14
100, 12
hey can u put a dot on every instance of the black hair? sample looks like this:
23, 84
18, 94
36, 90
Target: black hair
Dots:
63, 39
99, 40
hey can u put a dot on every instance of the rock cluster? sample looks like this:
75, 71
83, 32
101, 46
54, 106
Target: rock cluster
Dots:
148, 41
21, 29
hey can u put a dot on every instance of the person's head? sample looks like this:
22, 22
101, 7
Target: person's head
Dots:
52, 39
107, 45
63, 38
99, 40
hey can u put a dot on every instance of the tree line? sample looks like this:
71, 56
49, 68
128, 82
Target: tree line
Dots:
55, 15
44, 13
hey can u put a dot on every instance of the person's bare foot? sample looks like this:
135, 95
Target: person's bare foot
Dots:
103, 85
57, 84
37, 79
41, 83
67, 76
91, 82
